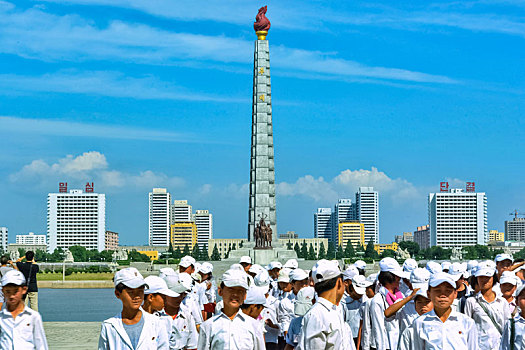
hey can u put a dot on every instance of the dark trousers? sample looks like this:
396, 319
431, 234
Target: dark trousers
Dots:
281, 344
272, 346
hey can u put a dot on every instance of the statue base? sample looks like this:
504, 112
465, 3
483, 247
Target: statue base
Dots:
263, 248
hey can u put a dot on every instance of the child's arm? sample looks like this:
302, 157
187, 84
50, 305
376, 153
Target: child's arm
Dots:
395, 307
359, 334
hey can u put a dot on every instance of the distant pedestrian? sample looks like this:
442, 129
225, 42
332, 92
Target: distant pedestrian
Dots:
29, 268
4, 262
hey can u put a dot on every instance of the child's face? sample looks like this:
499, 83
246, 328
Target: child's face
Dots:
298, 285
423, 305
13, 294
485, 283
503, 266
507, 289
175, 302
442, 296
233, 297
131, 298
370, 292
156, 301
285, 286
253, 311
521, 303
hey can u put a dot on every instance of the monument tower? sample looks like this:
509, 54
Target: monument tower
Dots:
262, 169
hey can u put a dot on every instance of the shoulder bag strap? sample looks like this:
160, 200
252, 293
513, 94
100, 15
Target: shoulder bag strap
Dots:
29, 275
496, 324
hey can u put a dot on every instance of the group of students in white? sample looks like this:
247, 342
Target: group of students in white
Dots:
467, 306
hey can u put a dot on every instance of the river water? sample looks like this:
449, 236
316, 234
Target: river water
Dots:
80, 305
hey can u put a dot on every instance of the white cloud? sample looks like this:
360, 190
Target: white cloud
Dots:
347, 183
89, 166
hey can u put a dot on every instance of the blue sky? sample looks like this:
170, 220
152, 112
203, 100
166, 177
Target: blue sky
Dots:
140, 94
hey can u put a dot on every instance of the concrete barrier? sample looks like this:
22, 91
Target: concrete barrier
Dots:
75, 284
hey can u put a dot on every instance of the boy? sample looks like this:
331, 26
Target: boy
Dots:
231, 329
514, 332
20, 326
323, 326
443, 327
305, 300
366, 326
285, 310
132, 329
508, 284
353, 299
422, 305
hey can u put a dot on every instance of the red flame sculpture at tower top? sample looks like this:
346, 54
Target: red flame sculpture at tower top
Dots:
261, 22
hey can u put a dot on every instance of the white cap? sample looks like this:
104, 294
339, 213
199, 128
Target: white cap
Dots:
130, 277
501, 257
167, 271
520, 289
471, 265
391, 265
419, 278
275, 265
298, 275
441, 277
245, 259
360, 264
291, 264
284, 275
485, 268
14, 277
174, 284
187, 261
235, 278
372, 278
409, 265
196, 277
206, 268
157, 285
350, 272
236, 267
256, 268
445, 265
359, 283
434, 267
324, 270
304, 301
255, 296
262, 279
423, 292
457, 270
509, 277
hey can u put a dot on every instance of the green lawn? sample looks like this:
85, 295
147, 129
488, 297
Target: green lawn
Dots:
102, 276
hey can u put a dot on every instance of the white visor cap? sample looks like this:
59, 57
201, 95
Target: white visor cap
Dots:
350, 272
304, 301
324, 270
130, 277
187, 261
284, 275
14, 277
235, 278
298, 275
245, 260
509, 277
360, 283
255, 296
419, 278
409, 265
434, 267
291, 264
157, 285
440, 278
391, 265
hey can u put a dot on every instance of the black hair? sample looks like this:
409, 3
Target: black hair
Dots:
518, 260
473, 281
361, 271
120, 287
496, 279
386, 277
4, 259
222, 285
321, 287
30, 255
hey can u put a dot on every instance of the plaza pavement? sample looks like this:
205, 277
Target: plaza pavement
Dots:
72, 335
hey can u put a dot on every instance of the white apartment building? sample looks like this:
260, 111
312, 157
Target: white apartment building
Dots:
323, 224
3, 238
180, 211
344, 212
515, 229
159, 217
367, 209
76, 218
457, 218
31, 239
204, 221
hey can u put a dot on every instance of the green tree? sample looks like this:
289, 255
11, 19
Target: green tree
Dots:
340, 253
228, 252
520, 254
79, 253
177, 254
204, 255
240, 244
215, 256
21, 252
289, 245
322, 252
196, 253
330, 254
311, 253
388, 253
304, 250
349, 250
411, 247
170, 249
186, 250
370, 251
234, 247
297, 249
138, 257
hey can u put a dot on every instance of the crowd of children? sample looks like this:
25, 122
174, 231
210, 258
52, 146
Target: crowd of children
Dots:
474, 305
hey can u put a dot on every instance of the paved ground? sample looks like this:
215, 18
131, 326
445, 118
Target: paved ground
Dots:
72, 335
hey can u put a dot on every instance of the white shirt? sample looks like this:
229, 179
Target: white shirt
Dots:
183, 334
458, 332
489, 336
406, 316
366, 329
220, 332
519, 340
285, 312
270, 313
405, 341
114, 336
24, 332
323, 327
385, 331
192, 306
352, 312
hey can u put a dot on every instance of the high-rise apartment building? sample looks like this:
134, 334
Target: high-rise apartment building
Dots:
31, 239
159, 217
76, 218
323, 225
515, 229
344, 211
180, 211
422, 236
367, 209
111, 240
3, 238
353, 231
182, 234
204, 221
457, 218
